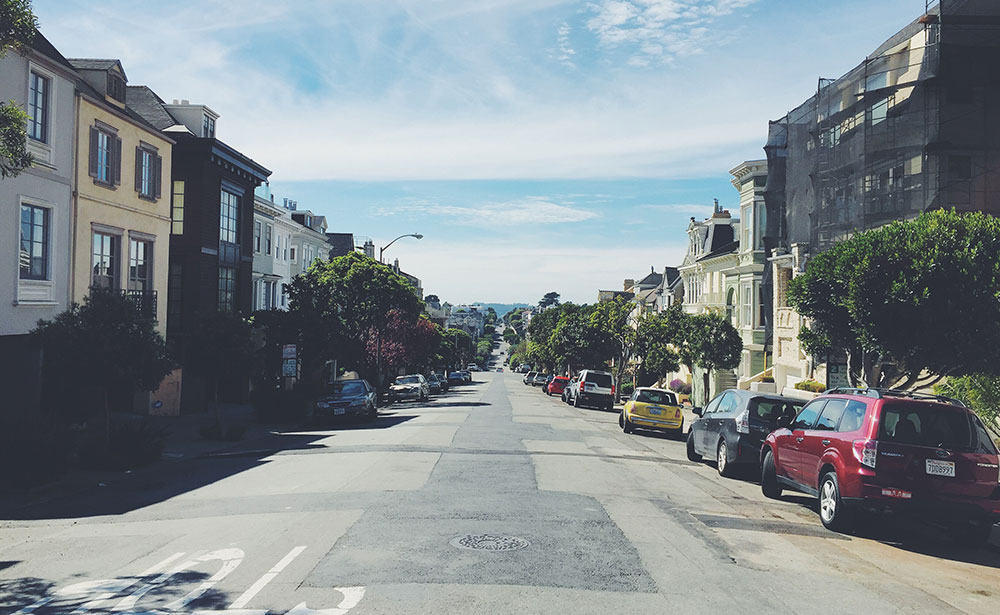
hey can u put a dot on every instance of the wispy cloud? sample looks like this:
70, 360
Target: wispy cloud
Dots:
528, 211
680, 208
566, 51
657, 31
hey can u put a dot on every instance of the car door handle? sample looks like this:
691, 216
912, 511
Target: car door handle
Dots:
826, 443
799, 439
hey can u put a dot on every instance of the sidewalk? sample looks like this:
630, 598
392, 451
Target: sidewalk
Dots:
183, 441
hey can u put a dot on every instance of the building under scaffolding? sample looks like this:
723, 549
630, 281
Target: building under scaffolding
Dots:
914, 127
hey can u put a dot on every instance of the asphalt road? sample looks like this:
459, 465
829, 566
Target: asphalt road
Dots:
490, 499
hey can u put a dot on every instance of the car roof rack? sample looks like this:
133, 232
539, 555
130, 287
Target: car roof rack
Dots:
878, 393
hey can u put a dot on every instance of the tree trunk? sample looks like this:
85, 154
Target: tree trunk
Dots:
107, 417
708, 395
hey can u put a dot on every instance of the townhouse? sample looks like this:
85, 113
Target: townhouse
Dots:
273, 229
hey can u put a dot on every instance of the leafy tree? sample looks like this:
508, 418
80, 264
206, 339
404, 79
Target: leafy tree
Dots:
714, 343
576, 341
654, 338
980, 392
132, 354
910, 302
614, 318
456, 347
432, 299
406, 342
551, 298
17, 29
223, 352
491, 316
510, 336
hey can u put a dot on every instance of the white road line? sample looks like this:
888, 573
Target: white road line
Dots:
162, 564
254, 589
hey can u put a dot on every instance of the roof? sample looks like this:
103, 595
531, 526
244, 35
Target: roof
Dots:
341, 243
150, 106
85, 88
652, 279
97, 64
672, 275
730, 248
42, 45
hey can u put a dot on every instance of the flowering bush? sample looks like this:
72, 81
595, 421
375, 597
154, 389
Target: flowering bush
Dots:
679, 386
810, 385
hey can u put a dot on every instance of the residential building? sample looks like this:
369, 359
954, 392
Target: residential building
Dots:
910, 128
341, 244
310, 241
211, 216
412, 280
751, 314
669, 291
37, 211
273, 230
122, 218
471, 319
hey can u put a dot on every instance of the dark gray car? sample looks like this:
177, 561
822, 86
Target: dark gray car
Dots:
733, 426
343, 399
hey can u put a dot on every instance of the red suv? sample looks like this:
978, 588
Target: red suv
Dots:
884, 449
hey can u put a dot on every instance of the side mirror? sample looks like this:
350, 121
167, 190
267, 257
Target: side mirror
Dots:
784, 421
697, 411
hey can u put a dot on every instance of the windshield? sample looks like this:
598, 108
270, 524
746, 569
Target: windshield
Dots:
348, 388
770, 409
931, 425
656, 397
407, 380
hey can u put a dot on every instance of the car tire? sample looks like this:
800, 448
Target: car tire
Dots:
973, 534
832, 512
627, 425
722, 459
691, 453
769, 478
576, 401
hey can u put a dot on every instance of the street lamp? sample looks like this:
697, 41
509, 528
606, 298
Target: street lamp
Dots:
381, 250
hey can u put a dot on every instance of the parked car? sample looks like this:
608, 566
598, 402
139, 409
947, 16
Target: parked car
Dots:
472, 367
540, 379
500, 369
650, 408
557, 385
529, 377
443, 379
732, 427
433, 384
595, 389
878, 449
413, 386
571, 387
455, 378
344, 399
466, 375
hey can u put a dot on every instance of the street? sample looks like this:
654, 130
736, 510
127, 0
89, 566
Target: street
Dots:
492, 498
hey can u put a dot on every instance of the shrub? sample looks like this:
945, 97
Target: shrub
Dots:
131, 444
32, 451
767, 379
626, 389
679, 386
810, 385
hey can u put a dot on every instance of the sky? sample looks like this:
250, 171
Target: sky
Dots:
537, 145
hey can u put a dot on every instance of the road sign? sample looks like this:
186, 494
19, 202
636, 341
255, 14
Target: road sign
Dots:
289, 368
288, 351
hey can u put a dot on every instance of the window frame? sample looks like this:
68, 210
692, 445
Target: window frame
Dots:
111, 165
229, 233
147, 282
114, 256
177, 207
257, 233
148, 171
226, 300
43, 125
268, 238
821, 403
46, 241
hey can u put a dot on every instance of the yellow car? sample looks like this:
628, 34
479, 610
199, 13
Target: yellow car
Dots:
652, 409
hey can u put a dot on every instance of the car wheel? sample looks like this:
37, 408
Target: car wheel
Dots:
576, 401
769, 478
692, 454
832, 511
627, 425
722, 459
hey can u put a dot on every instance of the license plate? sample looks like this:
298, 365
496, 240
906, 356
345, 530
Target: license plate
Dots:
339, 410
655, 411
936, 467
897, 493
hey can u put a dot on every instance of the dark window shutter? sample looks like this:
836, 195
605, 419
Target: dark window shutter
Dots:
116, 162
157, 175
138, 170
93, 152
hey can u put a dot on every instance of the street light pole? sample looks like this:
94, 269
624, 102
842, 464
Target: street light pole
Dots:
378, 333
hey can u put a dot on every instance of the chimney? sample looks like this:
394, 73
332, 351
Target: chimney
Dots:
629, 283
370, 249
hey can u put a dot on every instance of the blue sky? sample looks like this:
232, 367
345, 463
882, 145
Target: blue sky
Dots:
537, 144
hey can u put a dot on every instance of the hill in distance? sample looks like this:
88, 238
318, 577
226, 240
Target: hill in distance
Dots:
502, 308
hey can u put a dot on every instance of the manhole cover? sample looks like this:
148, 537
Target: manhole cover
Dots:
489, 542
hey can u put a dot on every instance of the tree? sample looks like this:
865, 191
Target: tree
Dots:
980, 392
614, 318
577, 341
456, 348
551, 298
654, 336
97, 348
222, 351
910, 302
17, 29
714, 343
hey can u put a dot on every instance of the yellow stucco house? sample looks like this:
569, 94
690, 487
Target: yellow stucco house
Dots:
121, 221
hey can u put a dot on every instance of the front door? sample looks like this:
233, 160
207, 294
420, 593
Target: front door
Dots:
791, 442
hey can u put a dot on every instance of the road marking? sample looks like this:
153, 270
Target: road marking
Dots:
352, 596
254, 589
231, 558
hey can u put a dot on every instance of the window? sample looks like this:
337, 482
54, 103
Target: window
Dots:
770, 409
34, 256
208, 127
256, 295
148, 168
293, 253
712, 405
229, 217
928, 425
105, 155
267, 239
747, 307
38, 107
256, 236
760, 181
140, 265
227, 289
285, 249
269, 298
177, 209
830, 417
761, 308
106, 248
806, 418
116, 87
728, 403
854, 416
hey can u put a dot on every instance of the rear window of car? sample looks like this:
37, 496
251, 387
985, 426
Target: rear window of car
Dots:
601, 380
656, 397
560, 379
407, 380
770, 409
932, 425
347, 388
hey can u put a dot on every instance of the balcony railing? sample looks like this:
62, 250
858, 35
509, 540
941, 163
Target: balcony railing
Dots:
143, 300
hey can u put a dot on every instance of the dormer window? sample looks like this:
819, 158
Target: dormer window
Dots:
309, 221
208, 127
116, 87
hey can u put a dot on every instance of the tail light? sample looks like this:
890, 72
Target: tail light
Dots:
612, 390
866, 451
743, 421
